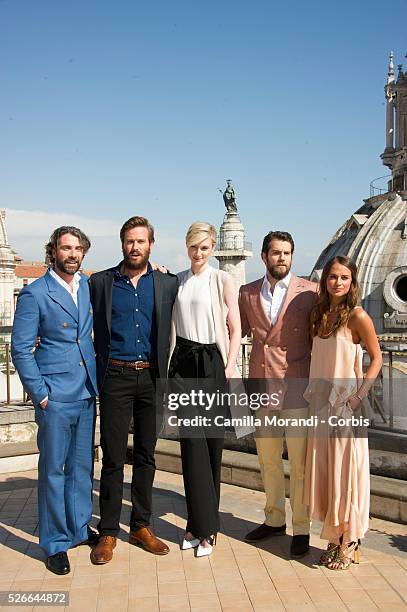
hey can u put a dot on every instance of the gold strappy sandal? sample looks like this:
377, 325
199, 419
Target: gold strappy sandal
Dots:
329, 554
345, 557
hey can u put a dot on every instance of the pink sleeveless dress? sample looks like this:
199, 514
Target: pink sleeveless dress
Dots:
337, 477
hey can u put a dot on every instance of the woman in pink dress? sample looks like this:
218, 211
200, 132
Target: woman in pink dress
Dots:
337, 463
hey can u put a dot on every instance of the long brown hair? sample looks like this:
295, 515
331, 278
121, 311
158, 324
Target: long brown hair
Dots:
57, 234
319, 314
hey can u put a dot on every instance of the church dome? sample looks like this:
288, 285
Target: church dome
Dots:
375, 238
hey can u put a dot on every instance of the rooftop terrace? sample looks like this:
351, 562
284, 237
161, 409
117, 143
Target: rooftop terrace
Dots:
237, 576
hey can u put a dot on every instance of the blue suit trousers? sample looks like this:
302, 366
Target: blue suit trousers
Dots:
65, 472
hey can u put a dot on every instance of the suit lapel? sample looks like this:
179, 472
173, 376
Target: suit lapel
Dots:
83, 301
158, 295
61, 296
257, 306
108, 291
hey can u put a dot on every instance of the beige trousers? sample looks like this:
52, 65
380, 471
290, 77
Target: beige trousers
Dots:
269, 451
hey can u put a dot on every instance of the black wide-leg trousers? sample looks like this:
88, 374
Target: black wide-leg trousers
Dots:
127, 393
198, 366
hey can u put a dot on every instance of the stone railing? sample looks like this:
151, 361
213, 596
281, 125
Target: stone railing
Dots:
387, 397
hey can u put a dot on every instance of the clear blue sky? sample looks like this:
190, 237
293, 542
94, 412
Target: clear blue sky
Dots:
110, 109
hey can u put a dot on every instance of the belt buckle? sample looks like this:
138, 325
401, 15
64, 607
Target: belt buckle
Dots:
136, 364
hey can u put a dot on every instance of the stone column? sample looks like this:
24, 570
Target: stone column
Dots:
232, 250
7, 276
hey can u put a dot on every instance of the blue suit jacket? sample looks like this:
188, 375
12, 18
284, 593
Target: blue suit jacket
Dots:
63, 367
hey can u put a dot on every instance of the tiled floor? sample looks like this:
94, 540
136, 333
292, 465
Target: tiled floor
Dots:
236, 577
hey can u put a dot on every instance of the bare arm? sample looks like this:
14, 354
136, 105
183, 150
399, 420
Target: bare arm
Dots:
233, 322
362, 326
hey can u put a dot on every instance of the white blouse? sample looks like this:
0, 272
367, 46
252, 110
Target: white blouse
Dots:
193, 307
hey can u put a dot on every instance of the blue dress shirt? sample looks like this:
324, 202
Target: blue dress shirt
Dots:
134, 330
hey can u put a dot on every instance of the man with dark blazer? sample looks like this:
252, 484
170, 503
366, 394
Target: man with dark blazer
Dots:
132, 307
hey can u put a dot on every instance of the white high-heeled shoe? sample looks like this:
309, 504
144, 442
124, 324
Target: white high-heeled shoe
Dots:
205, 551
188, 544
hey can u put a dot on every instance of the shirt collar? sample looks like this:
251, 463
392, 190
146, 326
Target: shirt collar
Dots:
60, 280
118, 273
284, 282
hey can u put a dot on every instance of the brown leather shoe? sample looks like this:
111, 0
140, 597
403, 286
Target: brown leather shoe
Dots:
103, 552
145, 538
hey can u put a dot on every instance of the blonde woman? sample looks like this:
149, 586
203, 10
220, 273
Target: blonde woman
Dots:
336, 485
206, 336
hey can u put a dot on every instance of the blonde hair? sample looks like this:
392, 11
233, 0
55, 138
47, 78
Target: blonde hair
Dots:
199, 231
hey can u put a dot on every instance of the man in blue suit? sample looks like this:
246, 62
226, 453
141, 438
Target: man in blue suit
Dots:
60, 377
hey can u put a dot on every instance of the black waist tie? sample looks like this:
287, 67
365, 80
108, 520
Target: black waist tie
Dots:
197, 360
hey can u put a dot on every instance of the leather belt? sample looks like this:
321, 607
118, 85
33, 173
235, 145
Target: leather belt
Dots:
131, 365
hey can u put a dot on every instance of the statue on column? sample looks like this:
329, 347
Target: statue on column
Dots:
229, 197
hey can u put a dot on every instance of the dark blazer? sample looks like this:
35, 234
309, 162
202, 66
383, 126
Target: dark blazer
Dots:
101, 288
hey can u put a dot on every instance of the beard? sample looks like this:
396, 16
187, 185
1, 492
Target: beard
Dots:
139, 265
277, 273
68, 265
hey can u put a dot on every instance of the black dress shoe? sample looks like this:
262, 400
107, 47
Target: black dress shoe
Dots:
58, 563
264, 531
299, 546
